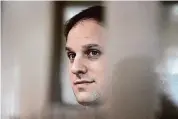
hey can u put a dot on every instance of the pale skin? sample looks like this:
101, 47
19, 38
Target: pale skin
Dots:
85, 50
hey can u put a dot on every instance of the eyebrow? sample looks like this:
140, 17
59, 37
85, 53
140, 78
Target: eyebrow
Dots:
68, 49
87, 46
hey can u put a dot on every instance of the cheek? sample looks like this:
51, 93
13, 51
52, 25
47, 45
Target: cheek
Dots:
98, 71
71, 75
97, 68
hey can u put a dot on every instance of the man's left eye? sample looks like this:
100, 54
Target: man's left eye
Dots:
93, 53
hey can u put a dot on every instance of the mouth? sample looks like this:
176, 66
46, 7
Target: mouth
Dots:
83, 82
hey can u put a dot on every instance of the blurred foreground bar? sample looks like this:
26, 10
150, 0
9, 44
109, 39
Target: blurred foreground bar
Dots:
133, 54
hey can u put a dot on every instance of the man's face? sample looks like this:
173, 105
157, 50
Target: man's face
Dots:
85, 50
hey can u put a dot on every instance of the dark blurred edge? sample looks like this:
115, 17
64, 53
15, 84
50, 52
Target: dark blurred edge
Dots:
169, 2
55, 84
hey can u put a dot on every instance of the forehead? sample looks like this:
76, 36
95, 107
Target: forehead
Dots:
84, 32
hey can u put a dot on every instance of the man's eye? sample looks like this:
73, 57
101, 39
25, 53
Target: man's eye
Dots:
71, 56
93, 53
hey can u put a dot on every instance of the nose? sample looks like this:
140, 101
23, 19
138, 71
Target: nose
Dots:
79, 66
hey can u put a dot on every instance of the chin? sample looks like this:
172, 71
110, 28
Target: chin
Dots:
86, 99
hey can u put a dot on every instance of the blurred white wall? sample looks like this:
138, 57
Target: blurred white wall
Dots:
26, 46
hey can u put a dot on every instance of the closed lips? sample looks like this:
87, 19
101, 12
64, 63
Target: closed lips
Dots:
82, 82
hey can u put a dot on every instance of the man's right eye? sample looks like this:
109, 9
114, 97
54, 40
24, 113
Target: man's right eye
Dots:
71, 56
